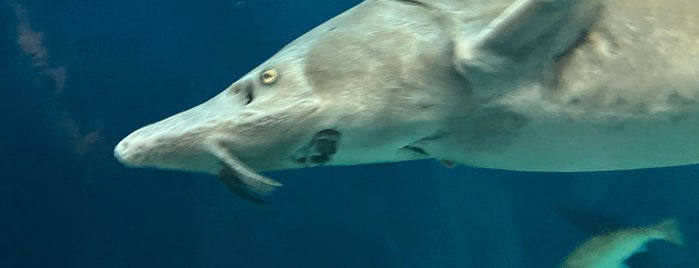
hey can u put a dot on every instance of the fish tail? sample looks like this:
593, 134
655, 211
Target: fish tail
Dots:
671, 231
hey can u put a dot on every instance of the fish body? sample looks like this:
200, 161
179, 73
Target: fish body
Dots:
612, 249
524, 85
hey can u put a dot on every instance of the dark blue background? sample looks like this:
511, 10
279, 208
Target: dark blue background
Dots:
65, 202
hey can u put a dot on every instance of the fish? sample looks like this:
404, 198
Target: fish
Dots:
523, 85
610, 250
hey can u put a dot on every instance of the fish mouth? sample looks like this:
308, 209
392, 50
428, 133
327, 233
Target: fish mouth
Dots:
319, 150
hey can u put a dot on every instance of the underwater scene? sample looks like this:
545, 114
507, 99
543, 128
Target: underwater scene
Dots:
348, 133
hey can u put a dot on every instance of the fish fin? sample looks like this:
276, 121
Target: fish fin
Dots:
523, 40
246, 176
526, 24
671, 231
233, 183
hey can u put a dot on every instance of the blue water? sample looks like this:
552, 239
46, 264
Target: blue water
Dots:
76, 76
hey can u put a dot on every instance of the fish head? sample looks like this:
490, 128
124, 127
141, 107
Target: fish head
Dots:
334, 96
261, 119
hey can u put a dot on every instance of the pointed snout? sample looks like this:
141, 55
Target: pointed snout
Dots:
130, 152
178, 142
142, 148
152, 146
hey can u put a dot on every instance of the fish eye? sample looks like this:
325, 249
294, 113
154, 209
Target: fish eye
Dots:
269, 76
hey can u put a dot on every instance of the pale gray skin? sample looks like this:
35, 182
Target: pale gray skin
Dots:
612, 249
519, 85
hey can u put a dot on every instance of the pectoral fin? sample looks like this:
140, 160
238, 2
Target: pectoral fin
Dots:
233, 183
526, 37
240, 177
